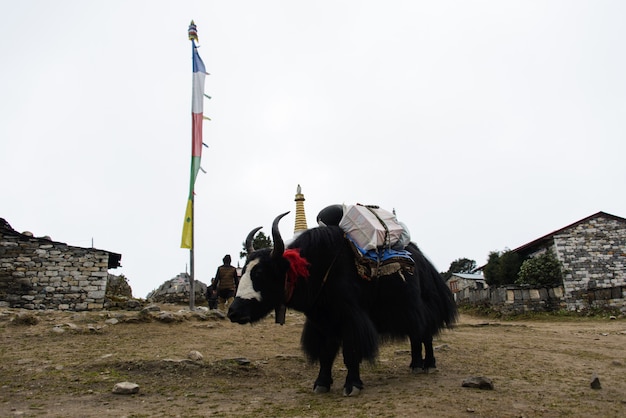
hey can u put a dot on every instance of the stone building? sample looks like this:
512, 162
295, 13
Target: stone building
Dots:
38, 273
460, 281
593, 253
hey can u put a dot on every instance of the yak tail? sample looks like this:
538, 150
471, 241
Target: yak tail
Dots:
440, 307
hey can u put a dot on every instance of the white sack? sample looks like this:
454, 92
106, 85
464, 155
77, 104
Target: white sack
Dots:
366, 230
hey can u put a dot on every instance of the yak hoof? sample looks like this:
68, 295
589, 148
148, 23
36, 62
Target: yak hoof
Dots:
425, 370
321, 389
354, 392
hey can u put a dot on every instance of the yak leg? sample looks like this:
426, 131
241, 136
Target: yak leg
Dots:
417, 362
320, 347
352, 361
430, 364
421, 364
327, 358
360, 341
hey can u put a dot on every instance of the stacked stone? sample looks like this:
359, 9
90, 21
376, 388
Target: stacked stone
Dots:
176, 291
119, 294
36, 273
118, 287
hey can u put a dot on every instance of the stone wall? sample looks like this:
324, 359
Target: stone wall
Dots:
37, 273
513, 300
593, 254
518, 299
595, 297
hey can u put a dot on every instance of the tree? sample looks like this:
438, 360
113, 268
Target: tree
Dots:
510, 264
491, 269
542, 270
502, 268
259, 241
460, 265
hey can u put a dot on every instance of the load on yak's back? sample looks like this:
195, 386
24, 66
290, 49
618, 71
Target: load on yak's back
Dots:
371, 227
377, 237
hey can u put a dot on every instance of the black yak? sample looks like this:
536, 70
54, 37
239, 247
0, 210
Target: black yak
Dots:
317, 275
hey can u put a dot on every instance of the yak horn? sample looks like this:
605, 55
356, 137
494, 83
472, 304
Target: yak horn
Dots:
279, 245
250, 239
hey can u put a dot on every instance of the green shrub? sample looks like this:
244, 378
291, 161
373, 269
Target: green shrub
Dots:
544, 270
502, 268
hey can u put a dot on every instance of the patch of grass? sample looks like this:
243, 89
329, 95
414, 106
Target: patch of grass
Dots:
25, 318
562, 314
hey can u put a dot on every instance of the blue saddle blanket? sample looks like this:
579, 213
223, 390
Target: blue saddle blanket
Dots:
380, 255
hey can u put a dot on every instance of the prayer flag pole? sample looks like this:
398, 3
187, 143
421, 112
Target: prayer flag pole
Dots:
199, 72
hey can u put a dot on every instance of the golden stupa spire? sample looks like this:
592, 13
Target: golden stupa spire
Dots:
300, 215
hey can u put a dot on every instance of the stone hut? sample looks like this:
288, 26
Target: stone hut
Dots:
38, 273
593, 254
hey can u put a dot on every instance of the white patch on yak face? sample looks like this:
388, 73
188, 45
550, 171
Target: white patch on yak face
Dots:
246, 289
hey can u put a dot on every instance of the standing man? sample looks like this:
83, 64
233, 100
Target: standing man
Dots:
226, 282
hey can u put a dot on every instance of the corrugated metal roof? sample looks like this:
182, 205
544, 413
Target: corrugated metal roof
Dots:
469, 276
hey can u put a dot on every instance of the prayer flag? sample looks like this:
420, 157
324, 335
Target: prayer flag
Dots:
199, 72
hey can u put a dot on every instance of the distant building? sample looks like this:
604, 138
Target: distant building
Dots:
460, 281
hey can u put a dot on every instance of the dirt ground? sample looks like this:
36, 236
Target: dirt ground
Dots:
65, 364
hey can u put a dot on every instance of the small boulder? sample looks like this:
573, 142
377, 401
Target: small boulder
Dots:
195, 355
125, 388
595, 382
242, 361
478, 382
217, 314
133, 305
58, 329
169, 317
150, 308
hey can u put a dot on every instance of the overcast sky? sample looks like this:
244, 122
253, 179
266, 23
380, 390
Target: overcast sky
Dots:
485, 124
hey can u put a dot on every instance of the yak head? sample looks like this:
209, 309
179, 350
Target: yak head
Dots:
262, 284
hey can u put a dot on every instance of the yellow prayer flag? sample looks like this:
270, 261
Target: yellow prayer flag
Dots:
187, 227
